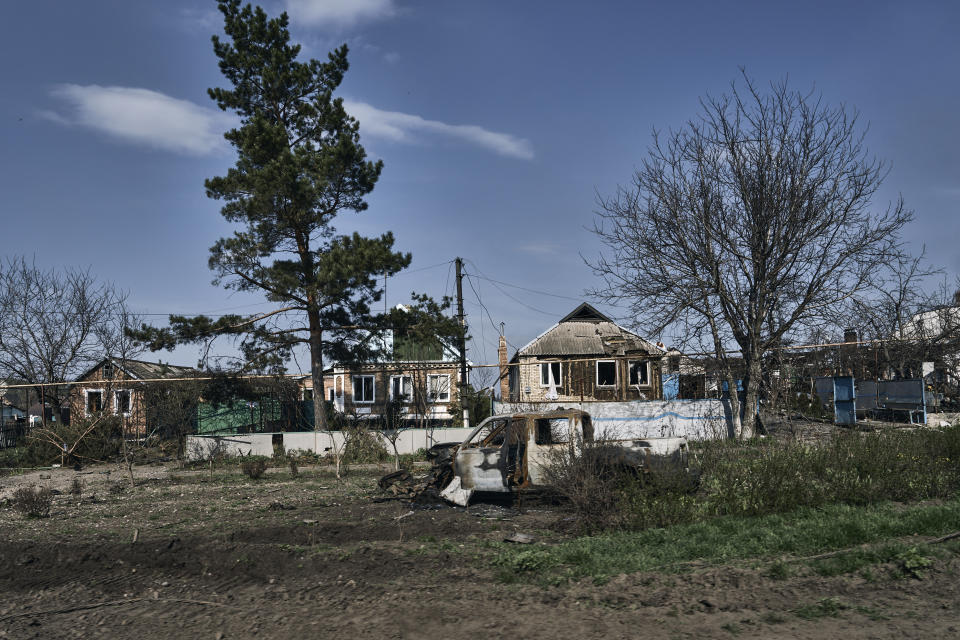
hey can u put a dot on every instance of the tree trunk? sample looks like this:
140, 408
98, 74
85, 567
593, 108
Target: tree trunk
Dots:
735, 422
316, 374
751, 395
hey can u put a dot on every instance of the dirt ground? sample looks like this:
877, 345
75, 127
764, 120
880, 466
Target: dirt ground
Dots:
216, 555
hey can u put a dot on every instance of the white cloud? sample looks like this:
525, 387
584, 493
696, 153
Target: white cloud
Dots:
400, 127
194, 20
339, 12
142, 116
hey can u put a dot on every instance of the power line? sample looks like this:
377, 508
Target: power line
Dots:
527, 289
487, 311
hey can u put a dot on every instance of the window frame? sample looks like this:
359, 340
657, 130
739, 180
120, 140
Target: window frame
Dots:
116, 410
86, 401
430, 394
557, 379
649, 372
616, 374
373, 388
408, 397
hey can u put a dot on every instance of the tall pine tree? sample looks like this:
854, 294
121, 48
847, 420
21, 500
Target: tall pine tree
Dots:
299, 164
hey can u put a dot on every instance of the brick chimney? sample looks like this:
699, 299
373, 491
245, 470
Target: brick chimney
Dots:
504, 370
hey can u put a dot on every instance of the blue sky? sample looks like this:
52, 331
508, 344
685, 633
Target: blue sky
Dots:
497, 122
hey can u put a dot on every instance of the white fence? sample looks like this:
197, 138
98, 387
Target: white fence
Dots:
692, 419
321, 442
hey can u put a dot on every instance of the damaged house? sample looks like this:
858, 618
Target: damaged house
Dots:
116, 387
584, 357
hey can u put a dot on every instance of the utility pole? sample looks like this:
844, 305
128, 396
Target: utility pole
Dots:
462, 344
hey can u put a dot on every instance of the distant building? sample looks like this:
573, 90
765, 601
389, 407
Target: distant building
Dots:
116, 387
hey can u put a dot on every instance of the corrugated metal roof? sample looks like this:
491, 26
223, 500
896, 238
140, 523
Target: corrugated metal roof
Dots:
141, 370
587, 338
153, 370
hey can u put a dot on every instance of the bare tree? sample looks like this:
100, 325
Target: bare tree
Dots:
745, 225
55, 324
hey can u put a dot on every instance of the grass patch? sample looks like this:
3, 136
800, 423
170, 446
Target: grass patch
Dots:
823, 608
804, 532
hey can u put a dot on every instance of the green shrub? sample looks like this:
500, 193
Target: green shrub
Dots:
363, 446
756, 477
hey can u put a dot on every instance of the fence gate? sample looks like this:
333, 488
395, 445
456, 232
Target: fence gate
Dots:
844, 400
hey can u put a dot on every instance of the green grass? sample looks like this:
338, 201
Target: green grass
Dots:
731, 538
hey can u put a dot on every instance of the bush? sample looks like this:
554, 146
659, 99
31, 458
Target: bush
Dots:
852, 467
255, 467
33, 502
99, 439
363, 446
756, 478
590, 479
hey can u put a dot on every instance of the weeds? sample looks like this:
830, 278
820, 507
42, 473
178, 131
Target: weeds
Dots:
823, 608
913, 562
33, 502
254, 467
852, 468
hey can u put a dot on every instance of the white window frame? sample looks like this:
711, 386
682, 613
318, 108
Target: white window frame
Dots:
129, 402
333, 395
616, 374
430, 394
86, 400
630, 364
405, 397
373, 389
557, 379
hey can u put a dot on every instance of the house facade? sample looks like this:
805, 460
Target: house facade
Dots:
422, 392
116, 387
584, 357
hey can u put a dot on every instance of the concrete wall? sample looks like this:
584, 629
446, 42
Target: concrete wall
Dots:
260, 444
257, 444
408, 441
693, 419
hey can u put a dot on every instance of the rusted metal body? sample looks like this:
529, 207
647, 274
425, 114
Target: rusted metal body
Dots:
507, 453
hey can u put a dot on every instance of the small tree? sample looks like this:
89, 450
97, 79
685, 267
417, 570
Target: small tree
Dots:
748, 223
55, 324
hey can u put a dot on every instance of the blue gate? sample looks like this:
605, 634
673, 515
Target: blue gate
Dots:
844, 400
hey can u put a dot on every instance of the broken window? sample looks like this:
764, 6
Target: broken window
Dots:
438, 388
548, 370
492, 434
308, 395
363, 389
552, 431
401, 388
332, 392
121, 401
94, 402
606, 373
639, 373
108, 370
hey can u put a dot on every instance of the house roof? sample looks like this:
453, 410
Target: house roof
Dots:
585, 332
143, 370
